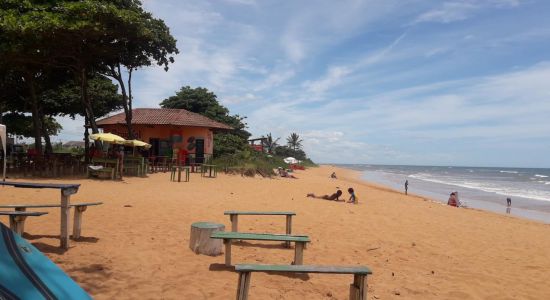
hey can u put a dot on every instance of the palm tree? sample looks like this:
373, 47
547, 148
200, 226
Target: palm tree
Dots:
294, 141
270, 144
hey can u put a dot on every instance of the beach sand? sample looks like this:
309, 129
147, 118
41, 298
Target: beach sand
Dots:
136, 245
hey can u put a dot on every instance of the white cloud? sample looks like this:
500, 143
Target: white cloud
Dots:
453, 11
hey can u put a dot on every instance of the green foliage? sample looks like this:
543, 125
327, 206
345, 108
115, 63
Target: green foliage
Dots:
285, 151
270, 144
65, 99
200, 100
20, 124
248, 163
294, 141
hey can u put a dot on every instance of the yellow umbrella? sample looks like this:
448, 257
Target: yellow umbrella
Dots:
108, 138
137, 143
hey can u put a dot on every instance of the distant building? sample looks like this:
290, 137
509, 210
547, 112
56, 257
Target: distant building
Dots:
169, 131
74, 144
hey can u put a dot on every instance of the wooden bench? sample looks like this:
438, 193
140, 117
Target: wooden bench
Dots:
358, 289
209, 170
79, 208
234, 217
110, 167
17, 219
136, 164
177, 169
228, 237
66, 191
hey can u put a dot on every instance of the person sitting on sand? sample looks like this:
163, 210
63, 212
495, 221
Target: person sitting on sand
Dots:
352, 198
284, 173
453, 201
333, 197
333, 175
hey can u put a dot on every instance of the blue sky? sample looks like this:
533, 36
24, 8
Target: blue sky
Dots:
379, 82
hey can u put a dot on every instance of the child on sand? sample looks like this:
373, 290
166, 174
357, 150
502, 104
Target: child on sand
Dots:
453, 201
333, 197
352, 198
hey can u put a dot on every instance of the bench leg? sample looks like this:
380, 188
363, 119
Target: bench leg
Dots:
243, 286
22, 225
227, 252
77, 221
288, 229
234, 223
358, 289
65, 209
299, 253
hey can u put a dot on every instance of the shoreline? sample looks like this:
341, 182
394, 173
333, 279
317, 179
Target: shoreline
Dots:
524, 213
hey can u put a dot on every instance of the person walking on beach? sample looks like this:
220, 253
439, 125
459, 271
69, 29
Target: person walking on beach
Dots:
120, 157
406, 186
508, 201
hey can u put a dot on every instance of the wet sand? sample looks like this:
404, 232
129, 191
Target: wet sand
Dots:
136, 244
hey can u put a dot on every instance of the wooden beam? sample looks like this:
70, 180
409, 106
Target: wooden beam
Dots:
227, 243
77, 221
288, 228
65, 207
299, 253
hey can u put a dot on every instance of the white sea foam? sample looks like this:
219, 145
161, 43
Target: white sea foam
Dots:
540, 176
487, 187
510, 172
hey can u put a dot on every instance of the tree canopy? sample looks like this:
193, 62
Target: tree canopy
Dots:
76, 40
202, 101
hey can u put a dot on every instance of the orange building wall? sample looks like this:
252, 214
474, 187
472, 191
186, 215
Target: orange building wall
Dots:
165, 132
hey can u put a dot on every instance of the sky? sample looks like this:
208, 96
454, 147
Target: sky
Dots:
414, 82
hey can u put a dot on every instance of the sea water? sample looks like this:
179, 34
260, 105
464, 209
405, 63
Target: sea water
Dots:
477, 187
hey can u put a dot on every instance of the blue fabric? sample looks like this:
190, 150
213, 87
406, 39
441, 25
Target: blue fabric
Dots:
16, 280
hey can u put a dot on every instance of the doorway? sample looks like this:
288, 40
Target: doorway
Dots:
199, 151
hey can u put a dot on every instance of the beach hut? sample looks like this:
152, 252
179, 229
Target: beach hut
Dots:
3, 136
172, 133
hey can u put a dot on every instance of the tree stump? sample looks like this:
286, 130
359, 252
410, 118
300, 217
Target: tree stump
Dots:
200, 241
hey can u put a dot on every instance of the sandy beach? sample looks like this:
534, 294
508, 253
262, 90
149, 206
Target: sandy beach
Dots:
135, 246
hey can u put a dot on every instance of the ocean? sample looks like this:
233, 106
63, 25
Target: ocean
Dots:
477, 187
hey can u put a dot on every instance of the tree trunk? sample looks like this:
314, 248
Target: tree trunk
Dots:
37, 124
47, 141
86, 142
200, 241
129, 114
88, 107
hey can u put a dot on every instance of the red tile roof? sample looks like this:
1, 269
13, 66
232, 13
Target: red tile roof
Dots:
164, 116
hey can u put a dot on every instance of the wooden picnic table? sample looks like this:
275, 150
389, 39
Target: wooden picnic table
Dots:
66, 191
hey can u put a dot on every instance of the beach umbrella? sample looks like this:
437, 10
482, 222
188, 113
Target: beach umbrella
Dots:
291, 160
3, 139
137, 143
107, 138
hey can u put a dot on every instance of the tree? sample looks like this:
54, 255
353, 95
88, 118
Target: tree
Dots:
200, 100
270, 144
294, 141
143, 41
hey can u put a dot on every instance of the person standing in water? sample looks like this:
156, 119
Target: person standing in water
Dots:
406, 186
508, 201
